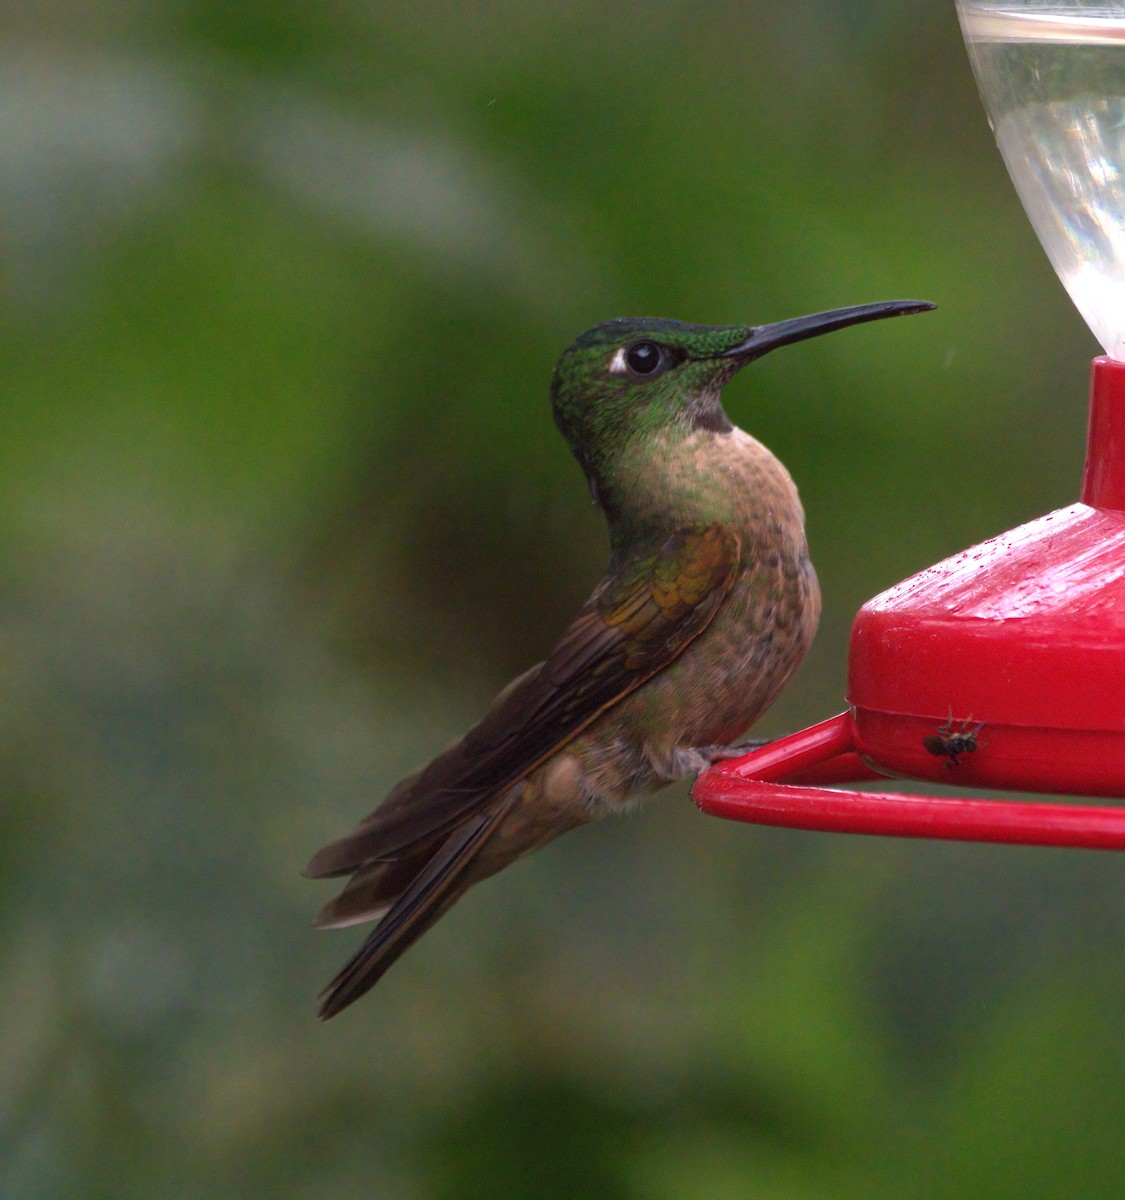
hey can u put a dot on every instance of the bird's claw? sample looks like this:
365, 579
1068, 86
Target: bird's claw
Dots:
717, 754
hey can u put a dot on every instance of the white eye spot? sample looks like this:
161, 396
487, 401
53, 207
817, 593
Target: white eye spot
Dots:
617, 364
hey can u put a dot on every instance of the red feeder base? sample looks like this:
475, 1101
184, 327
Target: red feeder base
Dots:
1002, 667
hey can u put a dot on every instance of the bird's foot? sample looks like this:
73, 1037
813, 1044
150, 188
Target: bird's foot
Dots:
686, 762
716, 754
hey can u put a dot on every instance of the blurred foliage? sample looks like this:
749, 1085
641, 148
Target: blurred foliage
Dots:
281, 505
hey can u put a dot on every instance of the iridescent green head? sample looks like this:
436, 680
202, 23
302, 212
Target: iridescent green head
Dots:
639, 375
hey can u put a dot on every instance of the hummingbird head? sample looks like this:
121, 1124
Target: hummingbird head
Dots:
640, 375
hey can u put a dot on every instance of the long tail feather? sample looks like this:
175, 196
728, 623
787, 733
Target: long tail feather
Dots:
440, 882
373, 890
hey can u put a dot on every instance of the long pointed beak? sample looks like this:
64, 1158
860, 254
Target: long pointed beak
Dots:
764, 338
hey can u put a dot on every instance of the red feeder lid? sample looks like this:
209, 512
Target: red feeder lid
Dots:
1027, 628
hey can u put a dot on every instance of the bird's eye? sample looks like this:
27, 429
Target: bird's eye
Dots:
643, 358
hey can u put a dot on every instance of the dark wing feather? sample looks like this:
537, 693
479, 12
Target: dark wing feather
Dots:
637, 621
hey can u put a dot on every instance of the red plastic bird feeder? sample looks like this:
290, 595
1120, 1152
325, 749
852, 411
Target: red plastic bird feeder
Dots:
1004, 666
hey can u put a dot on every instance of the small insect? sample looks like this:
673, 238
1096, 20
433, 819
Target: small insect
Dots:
953, 739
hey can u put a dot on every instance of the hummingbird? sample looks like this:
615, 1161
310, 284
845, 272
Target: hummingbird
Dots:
708, 603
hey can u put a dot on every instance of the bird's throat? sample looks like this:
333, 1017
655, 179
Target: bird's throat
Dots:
702, 477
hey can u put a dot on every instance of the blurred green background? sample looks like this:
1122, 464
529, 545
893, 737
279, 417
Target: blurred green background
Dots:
282, 506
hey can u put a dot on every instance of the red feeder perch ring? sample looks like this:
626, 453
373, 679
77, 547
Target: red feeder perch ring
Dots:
771, 786
1002, 667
